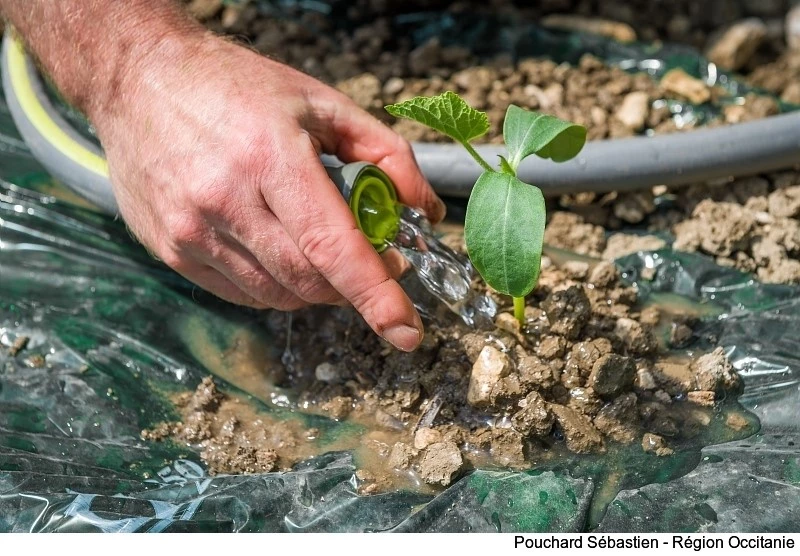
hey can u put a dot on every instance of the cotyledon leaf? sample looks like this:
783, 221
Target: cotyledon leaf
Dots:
526, 133
447, 113
504, 232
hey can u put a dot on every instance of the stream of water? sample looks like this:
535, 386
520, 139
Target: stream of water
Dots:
446, 274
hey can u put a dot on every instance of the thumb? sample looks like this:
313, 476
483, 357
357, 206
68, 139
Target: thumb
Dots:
319, 221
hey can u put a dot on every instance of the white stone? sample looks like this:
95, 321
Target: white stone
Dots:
491, 365
326, 372
738, 44
633, 110
426, 436
681, 83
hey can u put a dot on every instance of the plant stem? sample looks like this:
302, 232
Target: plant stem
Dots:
478, 158
519, 310
506, 167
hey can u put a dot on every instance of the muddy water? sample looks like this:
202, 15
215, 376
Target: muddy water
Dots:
241, 357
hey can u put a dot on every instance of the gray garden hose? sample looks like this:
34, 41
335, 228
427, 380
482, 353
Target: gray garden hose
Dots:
615, 165
635, 163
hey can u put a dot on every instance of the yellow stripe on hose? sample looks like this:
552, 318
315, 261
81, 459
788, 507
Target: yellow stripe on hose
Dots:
41, 120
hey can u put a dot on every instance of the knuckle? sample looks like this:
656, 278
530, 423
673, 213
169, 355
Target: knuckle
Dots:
306, 281
324, 247
381, 314
371, 304
210, 199
184, 229
257, 159
315, 289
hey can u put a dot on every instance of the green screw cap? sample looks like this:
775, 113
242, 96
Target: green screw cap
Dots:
372, 198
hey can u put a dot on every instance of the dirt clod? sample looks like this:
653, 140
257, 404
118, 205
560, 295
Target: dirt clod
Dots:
680, 83
637, 338
580, 434
719, 228
736, 46
534, 418
619, 419
585, 354
401, 456
507, 447
426, 436
634, 110
551, 347
569, 231
231, 436
206, 397
338, 407
440, 463
568, 311
702, 397
604, 274
612, 374
713, 372
736, 422
679, 334
656, 445
19, 344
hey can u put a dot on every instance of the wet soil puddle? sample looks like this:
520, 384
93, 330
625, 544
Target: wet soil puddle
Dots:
283, 422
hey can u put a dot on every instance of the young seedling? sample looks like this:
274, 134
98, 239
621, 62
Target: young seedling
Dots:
504, 228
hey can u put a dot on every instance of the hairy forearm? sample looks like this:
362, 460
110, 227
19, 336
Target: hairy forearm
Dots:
94, 50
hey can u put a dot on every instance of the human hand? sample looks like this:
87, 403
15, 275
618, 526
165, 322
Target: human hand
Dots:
214, 152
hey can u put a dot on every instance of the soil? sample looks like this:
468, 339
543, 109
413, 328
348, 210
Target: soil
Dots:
585, 370
693, 22
359, 51
585, 373
781, 76
761, 236
231, 436
750, 223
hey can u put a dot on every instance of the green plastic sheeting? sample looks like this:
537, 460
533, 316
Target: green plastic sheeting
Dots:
112, 326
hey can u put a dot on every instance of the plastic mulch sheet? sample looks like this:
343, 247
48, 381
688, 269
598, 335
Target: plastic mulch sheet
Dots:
120, 333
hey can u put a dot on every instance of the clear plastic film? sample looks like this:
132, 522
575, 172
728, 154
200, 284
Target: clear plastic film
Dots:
118, 334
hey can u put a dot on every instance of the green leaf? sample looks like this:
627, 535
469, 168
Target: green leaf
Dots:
448, 113
526, 133
504, 232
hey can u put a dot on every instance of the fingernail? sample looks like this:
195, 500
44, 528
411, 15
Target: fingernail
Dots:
441, 208
403, 337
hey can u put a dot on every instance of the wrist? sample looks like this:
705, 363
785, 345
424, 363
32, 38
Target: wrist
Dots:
145, 47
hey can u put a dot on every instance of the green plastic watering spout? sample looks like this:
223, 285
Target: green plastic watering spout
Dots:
372, 198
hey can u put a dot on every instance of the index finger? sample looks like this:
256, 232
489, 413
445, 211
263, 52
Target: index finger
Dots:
319, 221
362, 137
